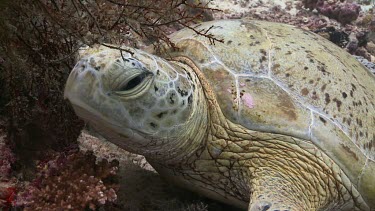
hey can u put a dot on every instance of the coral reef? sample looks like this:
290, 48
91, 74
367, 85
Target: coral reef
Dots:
70, 181
344, 12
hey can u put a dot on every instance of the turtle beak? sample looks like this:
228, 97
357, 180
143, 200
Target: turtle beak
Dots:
80, 81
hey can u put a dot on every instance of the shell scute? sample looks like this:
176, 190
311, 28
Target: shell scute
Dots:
287, 116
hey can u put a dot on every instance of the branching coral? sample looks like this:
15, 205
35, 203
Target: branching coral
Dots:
71, 182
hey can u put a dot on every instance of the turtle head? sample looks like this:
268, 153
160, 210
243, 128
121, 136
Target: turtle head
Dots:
140, 102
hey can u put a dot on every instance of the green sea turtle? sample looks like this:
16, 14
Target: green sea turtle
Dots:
273, 118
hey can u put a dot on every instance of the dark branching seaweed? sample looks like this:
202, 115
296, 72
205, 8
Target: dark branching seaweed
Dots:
39, 41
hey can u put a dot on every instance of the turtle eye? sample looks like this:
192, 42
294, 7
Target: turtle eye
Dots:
134, 82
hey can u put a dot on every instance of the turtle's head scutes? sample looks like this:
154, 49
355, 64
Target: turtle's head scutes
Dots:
136, 100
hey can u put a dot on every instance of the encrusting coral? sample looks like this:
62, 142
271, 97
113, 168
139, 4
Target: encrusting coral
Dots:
344, 12
71, 181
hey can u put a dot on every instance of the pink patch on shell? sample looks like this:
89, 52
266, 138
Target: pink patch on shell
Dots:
248, 100
229, 90
242, 84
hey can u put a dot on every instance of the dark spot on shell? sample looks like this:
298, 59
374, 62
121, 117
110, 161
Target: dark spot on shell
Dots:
157, 72
288, 53
311, 61
323, 87
359, 122
287, 75
315, 96
322, 119
304, 91
305, 68
347, 149
262, 51
133, 64
349, 121
338, 103
323, 70
311, 81
275, 67
344, 95
229, 42
156, 88
327, 98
